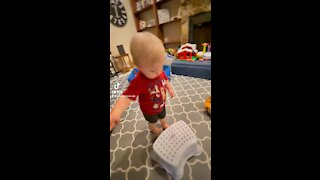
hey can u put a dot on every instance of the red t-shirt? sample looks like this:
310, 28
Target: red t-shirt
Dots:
151, 92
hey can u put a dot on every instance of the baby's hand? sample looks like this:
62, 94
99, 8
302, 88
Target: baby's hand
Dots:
171, 93
114, 121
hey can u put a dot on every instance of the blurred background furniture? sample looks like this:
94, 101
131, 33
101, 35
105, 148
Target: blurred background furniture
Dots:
124, 66
197, 69
115, 72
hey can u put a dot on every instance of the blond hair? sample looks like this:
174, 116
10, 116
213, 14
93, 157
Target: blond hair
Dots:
146, 48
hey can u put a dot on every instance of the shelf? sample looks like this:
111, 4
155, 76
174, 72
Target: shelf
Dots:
161, 32
176, 20
161, 1
147, 28
143, 10
172, 42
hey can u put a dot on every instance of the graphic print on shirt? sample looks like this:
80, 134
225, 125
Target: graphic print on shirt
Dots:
154, 91
156, 96
163, 82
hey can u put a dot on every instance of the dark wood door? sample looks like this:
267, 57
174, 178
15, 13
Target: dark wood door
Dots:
200, 29
202, 34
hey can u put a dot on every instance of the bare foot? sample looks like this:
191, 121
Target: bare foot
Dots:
165, 125
156, 131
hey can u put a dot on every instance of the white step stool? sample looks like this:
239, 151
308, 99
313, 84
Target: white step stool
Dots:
174, 147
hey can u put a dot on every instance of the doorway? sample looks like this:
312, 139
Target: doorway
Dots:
200, 29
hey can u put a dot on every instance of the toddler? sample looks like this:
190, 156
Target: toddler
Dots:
150, 83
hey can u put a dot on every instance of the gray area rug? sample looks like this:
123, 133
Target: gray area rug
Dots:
131, 141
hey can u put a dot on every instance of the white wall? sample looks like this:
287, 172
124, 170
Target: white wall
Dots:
123, 35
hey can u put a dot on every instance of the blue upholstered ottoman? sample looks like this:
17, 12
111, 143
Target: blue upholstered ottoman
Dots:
198, 69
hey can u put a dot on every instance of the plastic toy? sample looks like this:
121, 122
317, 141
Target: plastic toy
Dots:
207, 105
203, 55
206, 56
171, 51
204, 47
174, 147
209, 47
199, 55
187, 52
166, 70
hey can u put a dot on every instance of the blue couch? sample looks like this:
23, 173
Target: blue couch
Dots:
198, 69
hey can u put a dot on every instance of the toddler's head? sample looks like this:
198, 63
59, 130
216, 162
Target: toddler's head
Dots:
148, 54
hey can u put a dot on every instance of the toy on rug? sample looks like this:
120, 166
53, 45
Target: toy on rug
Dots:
187, 52
170, 54
207, 105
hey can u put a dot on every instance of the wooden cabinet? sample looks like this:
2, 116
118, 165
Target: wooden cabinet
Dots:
169, 32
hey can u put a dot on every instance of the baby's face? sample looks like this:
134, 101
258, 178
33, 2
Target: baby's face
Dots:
153, 70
